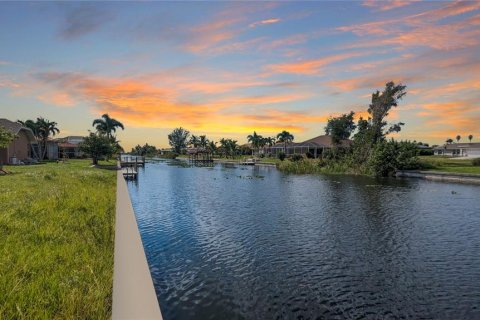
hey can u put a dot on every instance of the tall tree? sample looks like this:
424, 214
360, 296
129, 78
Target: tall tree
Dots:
212, 147
255, 140
203, 141
458, 138
97, 146
178, 139
194, 141
229, 147
341, 127
32, 125
106, 125
270, 141
470, 137
382, 103
285, 137
45, 129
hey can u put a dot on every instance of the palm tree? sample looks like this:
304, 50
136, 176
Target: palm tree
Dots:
470, 137
255, 140
32, 125
261, 144
224, 146
212, 146
194, 141
458, 138
270, 141
449, 141
229, 147
45, 128
232, 147
106, 125
203, 141
285, 137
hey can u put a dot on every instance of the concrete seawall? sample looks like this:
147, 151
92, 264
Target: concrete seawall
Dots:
134, 296
440, 176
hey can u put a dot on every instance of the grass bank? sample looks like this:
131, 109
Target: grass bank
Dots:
446, 164
56, 241
317, 166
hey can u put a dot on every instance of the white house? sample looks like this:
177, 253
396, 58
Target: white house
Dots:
471, 150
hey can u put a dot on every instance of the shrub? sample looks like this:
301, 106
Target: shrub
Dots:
309, 155
168, 155
425, 152
476, 162
281, 156
296, 157
390, 156
300, 167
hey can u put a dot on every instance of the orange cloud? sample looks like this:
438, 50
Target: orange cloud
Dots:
387, 5
311, 67
447, 119
140, 104
264, 99
57, 98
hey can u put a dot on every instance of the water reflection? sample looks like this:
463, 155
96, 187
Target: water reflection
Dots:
233, 242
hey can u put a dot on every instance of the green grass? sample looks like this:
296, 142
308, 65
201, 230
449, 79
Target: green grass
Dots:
56, 241
446, 164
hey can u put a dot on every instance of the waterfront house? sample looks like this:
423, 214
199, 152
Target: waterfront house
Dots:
459, 150
68, 147
315, 146
21, 148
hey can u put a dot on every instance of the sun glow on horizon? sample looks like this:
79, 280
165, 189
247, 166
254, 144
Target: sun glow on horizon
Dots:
233, 68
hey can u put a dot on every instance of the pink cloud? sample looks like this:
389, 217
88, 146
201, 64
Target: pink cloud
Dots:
313, 66
264, 22
387, 5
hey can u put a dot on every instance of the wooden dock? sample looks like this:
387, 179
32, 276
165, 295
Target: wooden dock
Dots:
200, 157
127, 160
249, 162
129, 173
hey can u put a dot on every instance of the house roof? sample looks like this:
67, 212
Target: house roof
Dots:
451, 146
67, 145
15, 128
323, 141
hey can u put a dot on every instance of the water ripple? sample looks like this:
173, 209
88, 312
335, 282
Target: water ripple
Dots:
252, 243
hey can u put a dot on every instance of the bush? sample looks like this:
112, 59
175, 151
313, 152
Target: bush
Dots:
296, 157
309, 155
281, 156
476, 162
168, 155
390, 156
425, 152
300, 167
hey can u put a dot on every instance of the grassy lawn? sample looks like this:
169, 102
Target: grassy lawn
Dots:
56, 241
446, 164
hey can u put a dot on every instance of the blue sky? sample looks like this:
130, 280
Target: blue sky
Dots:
227, 68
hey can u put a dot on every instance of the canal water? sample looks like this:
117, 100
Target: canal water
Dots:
233, 242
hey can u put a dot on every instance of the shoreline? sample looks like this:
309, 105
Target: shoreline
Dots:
441, 176
470, 178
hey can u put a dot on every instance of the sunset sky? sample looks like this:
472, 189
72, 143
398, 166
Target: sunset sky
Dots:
225, 69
